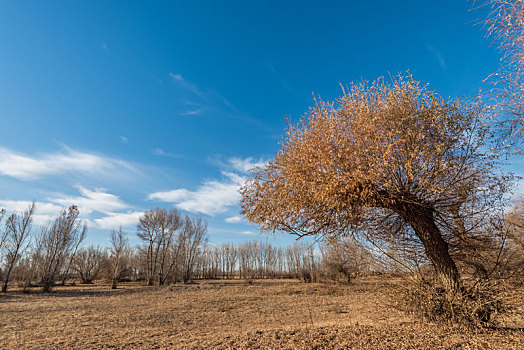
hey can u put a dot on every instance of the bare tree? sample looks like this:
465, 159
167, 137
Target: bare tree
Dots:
87, 263
77, 242
516, 219
388, 158
119, 244
157, 228
514, 227
3, 233
194, 239
18, 228
347, 258
246, 255
294, 256
56, 242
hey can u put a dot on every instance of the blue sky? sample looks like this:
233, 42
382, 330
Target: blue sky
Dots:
123, 106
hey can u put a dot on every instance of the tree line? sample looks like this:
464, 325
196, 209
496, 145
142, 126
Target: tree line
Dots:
174, 248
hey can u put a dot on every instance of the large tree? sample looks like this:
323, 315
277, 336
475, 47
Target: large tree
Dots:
387, 159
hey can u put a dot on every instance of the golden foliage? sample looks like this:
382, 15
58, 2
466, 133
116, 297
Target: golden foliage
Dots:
506, 27
380, 146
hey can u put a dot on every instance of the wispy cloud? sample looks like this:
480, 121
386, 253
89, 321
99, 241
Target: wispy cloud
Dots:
438, 55
246, 164
162, 153
228, 231
209, 97
26, 167
212, 101
233, 220
211, 198
89, 201
193, 88
114, 220
192, 112
278, 77
44, 211
123, 139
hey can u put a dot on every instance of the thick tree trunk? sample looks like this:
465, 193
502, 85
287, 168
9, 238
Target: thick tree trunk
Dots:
422, 221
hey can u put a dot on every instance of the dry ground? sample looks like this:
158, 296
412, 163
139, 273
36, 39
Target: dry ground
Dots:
270, 314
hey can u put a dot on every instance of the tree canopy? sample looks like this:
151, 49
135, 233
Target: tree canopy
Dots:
505, 25
384, 159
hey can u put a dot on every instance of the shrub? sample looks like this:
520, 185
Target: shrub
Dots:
476, 306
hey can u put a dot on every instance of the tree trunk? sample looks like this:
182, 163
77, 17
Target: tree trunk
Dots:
423, 223
6, 279
4, 286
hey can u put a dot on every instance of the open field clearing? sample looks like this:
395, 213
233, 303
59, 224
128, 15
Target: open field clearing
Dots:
266, 314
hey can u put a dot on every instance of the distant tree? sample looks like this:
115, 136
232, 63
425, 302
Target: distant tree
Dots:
56, 243
516, 219
119, 244
388, 159
247, 259
347, 258
515, 228
294, 256
87, 263
194, 239
18, 229
72, 254
3, 233
157, 228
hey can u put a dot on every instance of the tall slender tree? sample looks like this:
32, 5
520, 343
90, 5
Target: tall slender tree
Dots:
18, 228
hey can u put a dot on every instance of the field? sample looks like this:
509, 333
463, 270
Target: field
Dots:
264, 314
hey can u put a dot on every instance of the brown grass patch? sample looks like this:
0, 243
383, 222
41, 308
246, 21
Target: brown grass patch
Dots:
227, 314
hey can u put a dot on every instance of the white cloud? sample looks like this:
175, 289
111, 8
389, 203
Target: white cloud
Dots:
233, 220
90, 201
244, 165
25, 167
211, 198
41, 207
123, 139
161, 152
114, 220
44, 211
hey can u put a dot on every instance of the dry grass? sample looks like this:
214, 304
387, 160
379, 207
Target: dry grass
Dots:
228, 314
